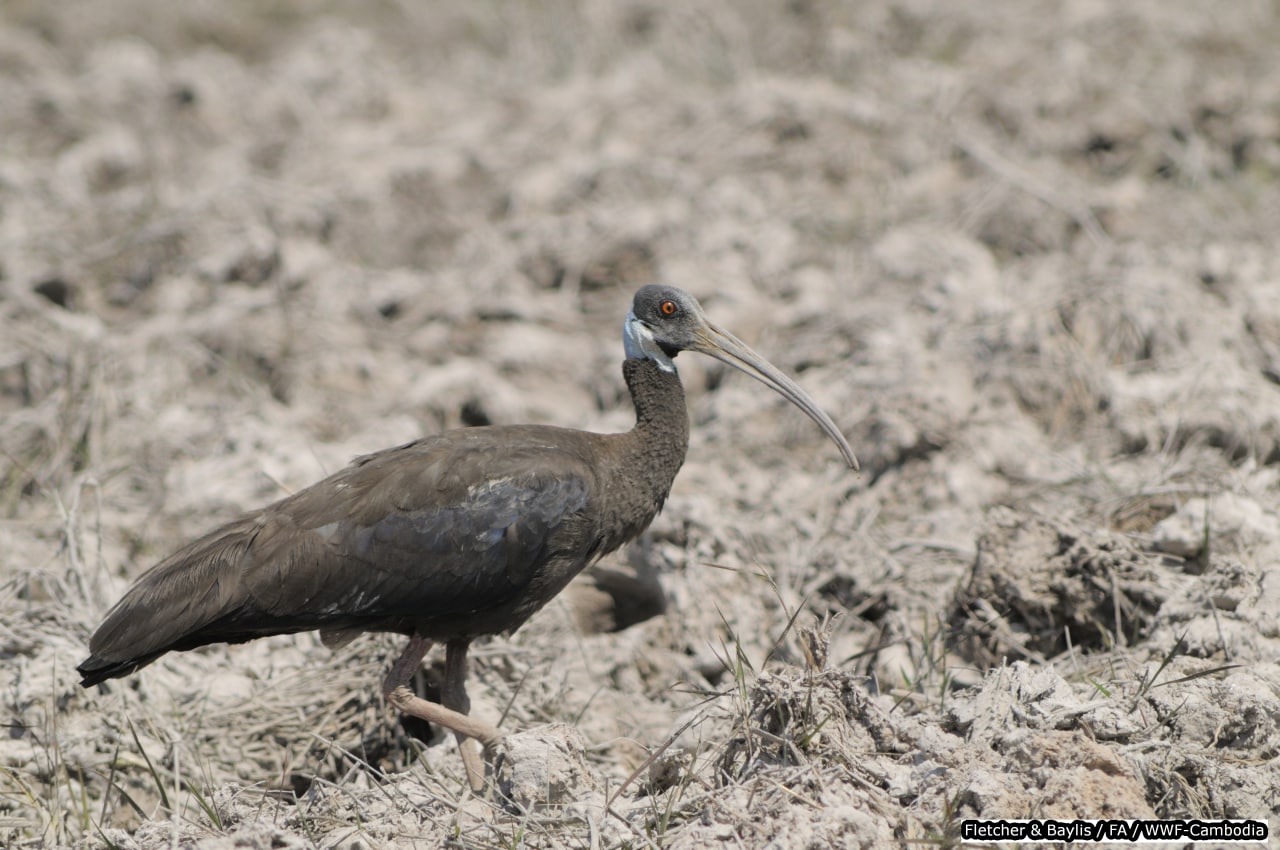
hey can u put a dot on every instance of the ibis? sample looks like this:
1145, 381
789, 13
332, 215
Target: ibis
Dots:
445, 539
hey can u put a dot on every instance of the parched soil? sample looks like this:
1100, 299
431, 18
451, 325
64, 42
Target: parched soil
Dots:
1025, 253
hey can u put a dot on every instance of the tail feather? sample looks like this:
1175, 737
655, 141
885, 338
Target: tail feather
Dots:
94, 670
226, 587
174, 604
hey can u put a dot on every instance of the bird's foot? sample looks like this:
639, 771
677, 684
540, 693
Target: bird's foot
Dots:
490, 746
478, 751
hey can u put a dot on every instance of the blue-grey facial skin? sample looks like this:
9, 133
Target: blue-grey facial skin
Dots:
639, 343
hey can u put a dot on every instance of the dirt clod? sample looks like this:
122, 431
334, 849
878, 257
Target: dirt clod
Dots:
546, 766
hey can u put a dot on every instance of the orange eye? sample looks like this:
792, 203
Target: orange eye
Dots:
668, 308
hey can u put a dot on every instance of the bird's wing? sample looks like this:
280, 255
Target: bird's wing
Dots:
445, 526
464, 537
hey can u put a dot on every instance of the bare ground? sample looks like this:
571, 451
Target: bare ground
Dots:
1025, 253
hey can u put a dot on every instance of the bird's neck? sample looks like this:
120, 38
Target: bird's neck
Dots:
661, 416
648, 456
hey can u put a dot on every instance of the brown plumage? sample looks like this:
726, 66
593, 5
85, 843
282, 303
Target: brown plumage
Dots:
447, 538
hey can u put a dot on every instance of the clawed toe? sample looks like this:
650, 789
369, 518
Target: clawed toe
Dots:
491, 745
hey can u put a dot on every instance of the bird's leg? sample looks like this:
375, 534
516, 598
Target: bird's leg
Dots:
404, 668
454, 696
395, 687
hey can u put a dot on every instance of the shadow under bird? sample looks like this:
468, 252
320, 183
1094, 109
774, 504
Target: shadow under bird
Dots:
448, 538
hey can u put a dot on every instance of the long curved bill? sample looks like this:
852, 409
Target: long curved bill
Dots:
727, 348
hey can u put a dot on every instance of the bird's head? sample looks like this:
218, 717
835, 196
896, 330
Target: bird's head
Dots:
664, 320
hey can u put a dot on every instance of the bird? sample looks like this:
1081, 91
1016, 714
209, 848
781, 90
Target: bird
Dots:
446, 539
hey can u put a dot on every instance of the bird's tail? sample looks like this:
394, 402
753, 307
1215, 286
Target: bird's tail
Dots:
175, 605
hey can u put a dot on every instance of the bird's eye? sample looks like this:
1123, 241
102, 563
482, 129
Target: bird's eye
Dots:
668, 308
